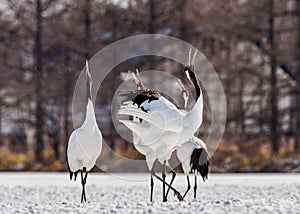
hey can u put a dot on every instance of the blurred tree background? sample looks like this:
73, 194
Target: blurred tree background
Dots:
253, 45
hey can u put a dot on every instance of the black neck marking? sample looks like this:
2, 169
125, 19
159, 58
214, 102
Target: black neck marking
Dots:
194, 80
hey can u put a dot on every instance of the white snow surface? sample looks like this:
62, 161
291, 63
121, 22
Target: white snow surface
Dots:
129, 193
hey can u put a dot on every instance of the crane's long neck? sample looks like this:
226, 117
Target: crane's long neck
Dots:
89, 110
90, 118
88, 90
196, 84
194, 116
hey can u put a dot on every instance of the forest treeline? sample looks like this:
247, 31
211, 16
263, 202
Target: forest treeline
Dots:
254, 46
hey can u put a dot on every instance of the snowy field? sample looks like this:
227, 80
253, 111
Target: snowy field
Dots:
129, 193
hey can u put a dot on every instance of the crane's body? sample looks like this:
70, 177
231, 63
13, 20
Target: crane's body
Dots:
85, 142
164, 127
193, 156
149, 145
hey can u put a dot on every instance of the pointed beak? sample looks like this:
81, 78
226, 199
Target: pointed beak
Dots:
87, 69
139, 81
191, 61
179, 84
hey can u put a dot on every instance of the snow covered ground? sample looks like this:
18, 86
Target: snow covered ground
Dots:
129, 193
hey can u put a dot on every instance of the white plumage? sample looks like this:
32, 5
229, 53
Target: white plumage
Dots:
164, 126
150, 145
193, 148
85, 142
185, 151
176, 125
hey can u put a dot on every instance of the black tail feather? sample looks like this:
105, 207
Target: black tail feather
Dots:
75, 173
200, 162
71, 175
139, 96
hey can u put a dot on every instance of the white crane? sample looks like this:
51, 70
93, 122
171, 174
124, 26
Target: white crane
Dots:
85, 142
149, 151
193, 154
163, 136
175, 125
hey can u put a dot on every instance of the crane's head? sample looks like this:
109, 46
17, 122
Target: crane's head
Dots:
184, 92
137, 79
190, 67
190, 74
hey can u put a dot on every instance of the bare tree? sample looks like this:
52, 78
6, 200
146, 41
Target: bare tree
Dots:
38, 83
297, 107
273, 80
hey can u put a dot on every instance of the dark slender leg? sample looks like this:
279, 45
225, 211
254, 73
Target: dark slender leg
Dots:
172, 188
85, 177
164, 181
188, 187
76, 173
195, 187
83, 189
83, 182
172, 180
151, 184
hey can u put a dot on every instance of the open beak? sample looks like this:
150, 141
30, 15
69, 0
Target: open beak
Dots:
137, 74
134, 77
191, 62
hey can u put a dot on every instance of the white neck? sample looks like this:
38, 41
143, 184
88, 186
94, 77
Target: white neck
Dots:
193, 118
90, 118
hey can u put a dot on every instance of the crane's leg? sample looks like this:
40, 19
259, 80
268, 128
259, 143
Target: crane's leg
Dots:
85, 177
164, 181
195, 187
83, 182
188, 187
151, 181
176, 192
75, 177
151, 185
172, 180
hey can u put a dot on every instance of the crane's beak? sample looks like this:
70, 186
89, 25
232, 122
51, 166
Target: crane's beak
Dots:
87, 69
194, 58
134, 77
180, 84
191, 61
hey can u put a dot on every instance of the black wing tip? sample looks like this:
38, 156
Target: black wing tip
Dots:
72, 173
75, 173
200, 162
139, 96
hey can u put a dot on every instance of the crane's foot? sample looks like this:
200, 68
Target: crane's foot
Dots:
178, 195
